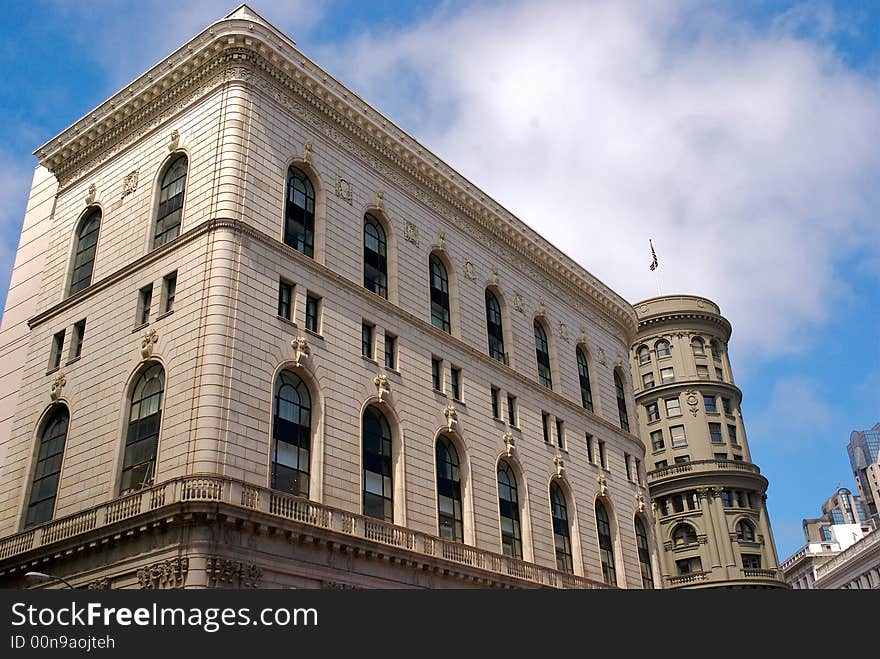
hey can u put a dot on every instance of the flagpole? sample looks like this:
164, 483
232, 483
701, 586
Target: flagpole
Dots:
655, 266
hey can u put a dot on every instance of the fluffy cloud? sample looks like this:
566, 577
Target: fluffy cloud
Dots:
750, 157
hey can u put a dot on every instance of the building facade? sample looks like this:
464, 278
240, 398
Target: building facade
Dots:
864, 458
709, 498
258, 336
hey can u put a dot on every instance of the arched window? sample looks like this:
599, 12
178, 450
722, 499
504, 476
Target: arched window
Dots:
644, 555
561, 534
50, 453
84, 254
621, 402
662, 348
439, 294
716, 350
584, 376
291, 435
172, 186
542, 354
508, 506
606, 545
495, 327
299, 212
745, 532
698, 346
644, 355
142, 436
684, 534
377, 486
375, 257
449, 491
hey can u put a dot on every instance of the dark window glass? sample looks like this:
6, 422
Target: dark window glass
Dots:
299, 212
511, 410
584, 376
390, 351
603, 460
715, 433
377, 486
455, 381
367, 340
709, 403
644, 555
606, 545
142, 436
698, 346
285, 299
495, 327
449, 504
292, 435
653, 412
57, 350
144, 303
745, 531
84, 254
439, 294
79, 335
50, 453
171, 191
561, 534
621, 402
751, 561
545, 426
375, 257
170, 283
436, 373
644, 355
508, 505
725, 403
542, 354
312, 303
589, 438
496, 411
684, 534
662, 348
560, 434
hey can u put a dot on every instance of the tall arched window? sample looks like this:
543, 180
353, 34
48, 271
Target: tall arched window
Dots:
684, 534
84, 254
644, 555
621, 402
142, 436
449, 506
561, 534
495, 327
662, 348
50, 453
542, 355
377, 486
606, 545
172, 186
508, 506
439, 294
584, 376
375, 257
698, 346
644, 355
745, 532
299, 212
291, 435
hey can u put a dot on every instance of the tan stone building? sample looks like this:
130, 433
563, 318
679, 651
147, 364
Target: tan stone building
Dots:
709, 498
258, 336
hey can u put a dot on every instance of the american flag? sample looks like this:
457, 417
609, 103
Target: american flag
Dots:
654, 263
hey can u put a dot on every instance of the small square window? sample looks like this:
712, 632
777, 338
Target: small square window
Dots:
661, 464
455, 382
673, 407
145, 300
738, 458
647, 380
681, 459
437, 373
169, 290
667, 375
657, 442
751, 561
79, 334
496, 406
721, 456
676, 433
367, 340
390, 351
653, 412
285, 299
57, 348
313, 313
511, 411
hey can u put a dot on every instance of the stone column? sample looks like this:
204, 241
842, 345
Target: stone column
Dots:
709, 525
722, 535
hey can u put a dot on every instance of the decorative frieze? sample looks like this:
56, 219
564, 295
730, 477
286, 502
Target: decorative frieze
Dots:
99, 584
170, 573
227, 573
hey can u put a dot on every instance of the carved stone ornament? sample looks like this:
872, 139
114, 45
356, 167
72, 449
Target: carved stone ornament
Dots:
542, 308
654, 508
640, 501
382, 388
582, 337
603, 485
451, 416
559, 463
601, 353
509, 443
441, 238
164, 574
691, 400
563, 332
300, 350
380, 200
99, 584
90, 197
469, 271
175, 140
57, 384
716, 491
494, 276
618, 362
148, 342
307, 151
226, 573
130, 183
518, 302
343, 190
703, 492
411, 233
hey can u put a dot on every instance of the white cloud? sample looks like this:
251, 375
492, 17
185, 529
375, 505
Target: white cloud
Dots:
796, 415
751, 158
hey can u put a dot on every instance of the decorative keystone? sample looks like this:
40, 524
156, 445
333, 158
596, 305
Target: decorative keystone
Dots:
451, 417
509, 443
603, 485
148, 342
382, 388
560, 465
57, 384
301, 350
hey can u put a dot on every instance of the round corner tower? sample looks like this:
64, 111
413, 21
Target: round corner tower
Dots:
712, 523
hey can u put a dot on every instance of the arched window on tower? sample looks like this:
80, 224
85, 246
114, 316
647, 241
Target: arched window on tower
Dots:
621, 402
745, 532
698, 346
644, 355
495, 327
378, 492
561, 532
584, 377
644, 555
439, 294
606, 545
375, 257
172, 186
542, 355
508, 505
142, 434
47, 471
299, 212
291, 435
449, 503
662, 348
84, 253
684, 534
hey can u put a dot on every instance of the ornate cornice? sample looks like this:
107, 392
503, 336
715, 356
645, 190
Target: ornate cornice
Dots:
252, 52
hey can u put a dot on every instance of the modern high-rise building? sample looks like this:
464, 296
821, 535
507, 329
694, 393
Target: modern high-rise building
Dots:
709, 498
864, 458
258, 336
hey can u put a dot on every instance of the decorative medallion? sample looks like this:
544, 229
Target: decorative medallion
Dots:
542, 308
130, 183
411, 233
691, 400
494, 276
563, 332
469, 271
148, 342
343, 189
643, 308
582, 337
301, 350
518, 302
640, 501
382, 388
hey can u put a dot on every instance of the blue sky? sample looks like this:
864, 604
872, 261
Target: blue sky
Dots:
742, 137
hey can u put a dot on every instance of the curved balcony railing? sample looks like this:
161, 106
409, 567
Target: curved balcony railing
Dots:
848, 554
699, 466
239, 494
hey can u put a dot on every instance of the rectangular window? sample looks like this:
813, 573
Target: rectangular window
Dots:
719, 374
545, 425
560, 434
661, 464
367, 340
676, 433
721, 456
715, 433
603, 459
313, 313
657, 442
455, 382
751, 561
496, 410
709, 404
390, 351
677, 502
145, 299
79, 334
437, 373
725, 403
638, 470
688, 565
511, 411
647, 380
57, 348
738, 458
285, 299
589, 439
667, 375
731, 433
169, 289
725, 498
673, 407
702, 371
741, 499
681, 459
653, 412
628, 466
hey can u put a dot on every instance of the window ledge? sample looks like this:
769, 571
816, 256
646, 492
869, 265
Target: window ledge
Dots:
307, 330
138, 328
287, 321
439, 393
393, 370
53, 370
165, 315
73, 361
651, 423
369, 359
